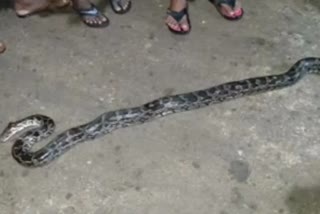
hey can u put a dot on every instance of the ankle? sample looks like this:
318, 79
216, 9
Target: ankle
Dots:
178, 5
81, 4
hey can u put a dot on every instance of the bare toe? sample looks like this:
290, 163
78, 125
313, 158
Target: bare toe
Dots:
228, 11
173, 24
120, 6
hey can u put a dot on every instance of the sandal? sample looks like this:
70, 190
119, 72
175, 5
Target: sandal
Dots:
118, 7
178, 16
93, 12
230, 3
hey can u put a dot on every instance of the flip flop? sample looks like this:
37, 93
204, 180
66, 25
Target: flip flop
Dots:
118, 8
231, 3
92, 11
177, 16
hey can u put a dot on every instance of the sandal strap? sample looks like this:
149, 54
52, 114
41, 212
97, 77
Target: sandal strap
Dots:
177, 15
92, 11
231, 3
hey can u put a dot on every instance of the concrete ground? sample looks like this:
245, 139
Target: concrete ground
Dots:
252, 155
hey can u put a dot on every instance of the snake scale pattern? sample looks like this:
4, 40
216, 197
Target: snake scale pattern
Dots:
35, 128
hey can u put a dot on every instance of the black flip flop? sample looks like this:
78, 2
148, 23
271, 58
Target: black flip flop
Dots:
116, 4
177, 16
231, 3
92, 11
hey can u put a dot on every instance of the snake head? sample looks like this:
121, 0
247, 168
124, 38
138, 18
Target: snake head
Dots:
8, 132
23, 125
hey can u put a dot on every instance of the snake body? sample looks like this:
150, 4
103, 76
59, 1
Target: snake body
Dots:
35, 128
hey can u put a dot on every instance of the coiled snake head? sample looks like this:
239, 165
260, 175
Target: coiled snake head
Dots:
7, 133
13, 128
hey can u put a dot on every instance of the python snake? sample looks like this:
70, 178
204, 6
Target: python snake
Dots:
32, 129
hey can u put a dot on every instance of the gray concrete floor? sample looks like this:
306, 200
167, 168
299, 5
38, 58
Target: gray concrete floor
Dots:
253, 155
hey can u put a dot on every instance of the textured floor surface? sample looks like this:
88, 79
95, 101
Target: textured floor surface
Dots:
258, 154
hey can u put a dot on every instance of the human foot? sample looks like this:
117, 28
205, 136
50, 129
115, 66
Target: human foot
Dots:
120, 6
178, 17
59, 3
229, 9
25, 8
90, 15
2, 47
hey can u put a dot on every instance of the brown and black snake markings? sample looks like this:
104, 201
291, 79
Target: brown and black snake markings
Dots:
32, 129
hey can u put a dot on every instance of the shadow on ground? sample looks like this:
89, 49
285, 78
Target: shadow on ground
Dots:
315, 3
5, 4
304, 200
